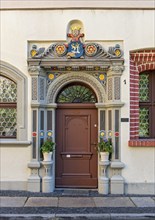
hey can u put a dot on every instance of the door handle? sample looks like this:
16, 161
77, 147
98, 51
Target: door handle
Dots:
76, 156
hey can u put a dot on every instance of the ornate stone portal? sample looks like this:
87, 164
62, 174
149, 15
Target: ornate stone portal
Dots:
60, 64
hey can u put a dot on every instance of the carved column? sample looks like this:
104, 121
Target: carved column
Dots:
34, 179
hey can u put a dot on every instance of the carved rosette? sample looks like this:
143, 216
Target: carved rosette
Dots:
60, 49
90, 50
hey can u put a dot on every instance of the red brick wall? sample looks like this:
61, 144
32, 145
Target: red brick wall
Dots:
139, 61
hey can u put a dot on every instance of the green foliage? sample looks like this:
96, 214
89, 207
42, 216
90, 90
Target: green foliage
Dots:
48, 146
105, 145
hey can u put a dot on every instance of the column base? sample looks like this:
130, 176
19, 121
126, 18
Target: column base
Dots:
117, 184
47, 184
103, 185
33, 184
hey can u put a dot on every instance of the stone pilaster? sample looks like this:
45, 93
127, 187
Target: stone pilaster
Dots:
114, 83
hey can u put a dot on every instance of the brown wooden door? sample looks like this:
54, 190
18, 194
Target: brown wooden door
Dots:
76, 136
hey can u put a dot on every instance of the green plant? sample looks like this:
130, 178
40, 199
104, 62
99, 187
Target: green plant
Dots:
105, 145
48, 146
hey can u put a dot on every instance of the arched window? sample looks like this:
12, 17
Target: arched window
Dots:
8, 108
76, 93
147, 104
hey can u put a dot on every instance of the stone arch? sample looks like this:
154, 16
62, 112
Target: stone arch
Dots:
20, 79
68, 78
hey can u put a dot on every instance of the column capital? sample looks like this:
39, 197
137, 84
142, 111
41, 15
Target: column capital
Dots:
34, 70
115, 70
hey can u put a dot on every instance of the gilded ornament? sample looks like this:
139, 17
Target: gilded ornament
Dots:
33, 53
51, 76
117, 52
101, 77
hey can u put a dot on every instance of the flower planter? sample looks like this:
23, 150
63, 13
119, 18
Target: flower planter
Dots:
47, 156
104, 156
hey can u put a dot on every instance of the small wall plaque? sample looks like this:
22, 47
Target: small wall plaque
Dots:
124, 119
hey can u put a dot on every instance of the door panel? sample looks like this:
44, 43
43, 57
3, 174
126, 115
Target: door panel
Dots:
76, 158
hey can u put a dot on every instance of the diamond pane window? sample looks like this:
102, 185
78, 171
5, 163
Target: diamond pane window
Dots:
8, 122
8, 90
147, 104
144, 87
76, 94
144, 122
8, 111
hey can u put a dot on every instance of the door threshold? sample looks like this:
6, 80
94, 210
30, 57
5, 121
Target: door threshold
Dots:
76, 192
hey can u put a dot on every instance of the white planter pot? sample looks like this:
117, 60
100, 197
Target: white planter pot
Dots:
47, 156
104, 156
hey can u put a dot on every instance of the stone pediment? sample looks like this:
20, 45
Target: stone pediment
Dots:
74, 53
57, 56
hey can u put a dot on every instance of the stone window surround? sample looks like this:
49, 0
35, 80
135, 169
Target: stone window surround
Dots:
140, 61
21, 80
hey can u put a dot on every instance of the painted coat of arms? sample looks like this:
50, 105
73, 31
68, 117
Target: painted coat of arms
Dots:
75, 47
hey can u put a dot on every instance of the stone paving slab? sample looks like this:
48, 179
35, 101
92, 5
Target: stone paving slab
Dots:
76, 202
12, 201
143, 201
113, 202
42, 202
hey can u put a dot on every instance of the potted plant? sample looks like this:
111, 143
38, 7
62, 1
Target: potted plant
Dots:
47, 149
105, 148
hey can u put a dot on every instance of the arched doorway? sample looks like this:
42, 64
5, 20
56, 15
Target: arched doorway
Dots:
76, 137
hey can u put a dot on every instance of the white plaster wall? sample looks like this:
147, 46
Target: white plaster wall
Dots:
139, 164
134, 27
14, 162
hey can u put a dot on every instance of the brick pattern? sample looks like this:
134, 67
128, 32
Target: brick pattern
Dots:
142, 143
139, 61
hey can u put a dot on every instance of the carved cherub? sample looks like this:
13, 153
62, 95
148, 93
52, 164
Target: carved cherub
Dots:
75, 35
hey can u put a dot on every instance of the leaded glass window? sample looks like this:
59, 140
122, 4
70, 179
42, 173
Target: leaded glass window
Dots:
147, 104
8, 111
144, 87
144, 122
76, 94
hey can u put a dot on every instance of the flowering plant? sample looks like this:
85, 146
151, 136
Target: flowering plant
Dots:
105, 145
48, 146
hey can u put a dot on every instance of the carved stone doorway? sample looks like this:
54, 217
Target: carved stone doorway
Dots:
76, 138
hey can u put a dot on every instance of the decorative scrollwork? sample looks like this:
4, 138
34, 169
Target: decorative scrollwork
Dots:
76, 50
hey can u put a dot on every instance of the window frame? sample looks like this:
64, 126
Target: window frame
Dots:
140, 60
14, 74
